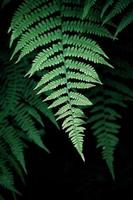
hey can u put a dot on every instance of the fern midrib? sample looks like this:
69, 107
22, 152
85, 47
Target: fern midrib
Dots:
68, 91
67, 88
66, 77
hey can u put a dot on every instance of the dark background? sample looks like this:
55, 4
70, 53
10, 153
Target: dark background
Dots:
62, 174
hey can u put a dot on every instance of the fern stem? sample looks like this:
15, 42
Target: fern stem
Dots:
67, 80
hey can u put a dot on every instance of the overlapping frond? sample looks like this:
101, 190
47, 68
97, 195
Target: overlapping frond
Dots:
18, 119
105, 113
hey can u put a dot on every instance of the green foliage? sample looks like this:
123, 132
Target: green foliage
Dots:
66, 56
20, 112
105, 112
120, 11
63, 38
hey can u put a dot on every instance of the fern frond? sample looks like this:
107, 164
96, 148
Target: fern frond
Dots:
104, 119
104, 127
21, 110
66, 55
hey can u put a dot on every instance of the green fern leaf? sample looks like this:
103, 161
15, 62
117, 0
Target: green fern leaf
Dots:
104, 119
21, 111
66, 55
80, 97
49, 76
56, 94
58, 102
